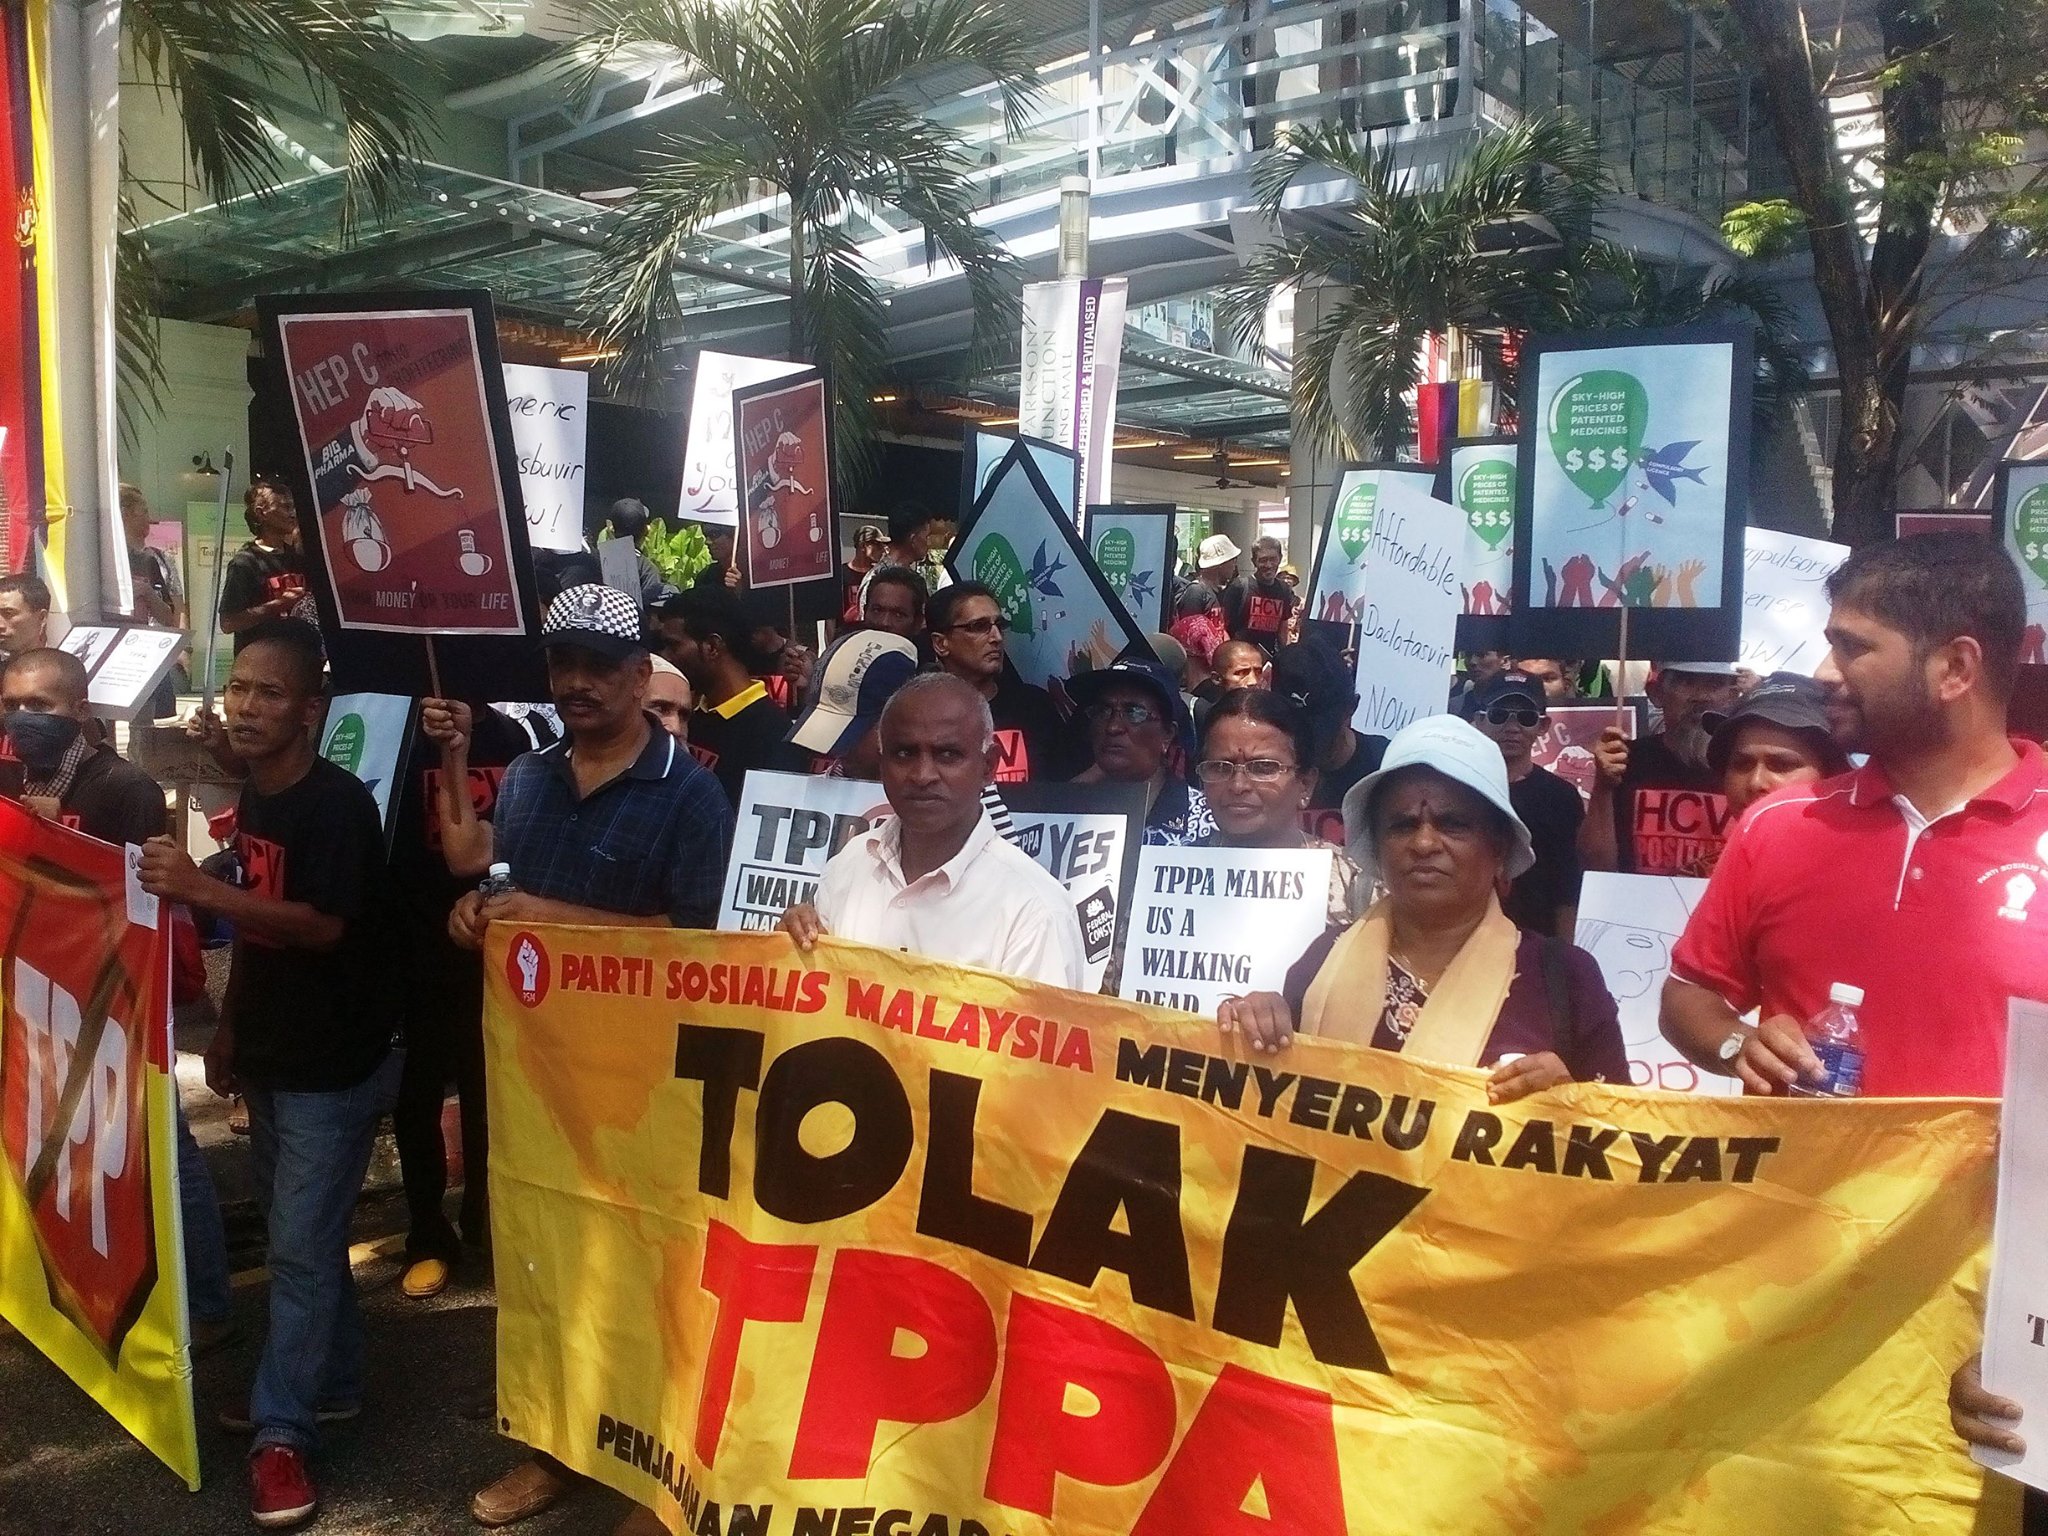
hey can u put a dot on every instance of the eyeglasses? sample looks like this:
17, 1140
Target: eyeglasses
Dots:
1261, 770
1506, 714
1130, 714
981, 628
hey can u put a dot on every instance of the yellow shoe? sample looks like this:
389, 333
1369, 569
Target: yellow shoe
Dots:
429, 1277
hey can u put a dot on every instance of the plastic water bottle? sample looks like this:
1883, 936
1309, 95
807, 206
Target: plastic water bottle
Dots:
499, 883
1837, 1039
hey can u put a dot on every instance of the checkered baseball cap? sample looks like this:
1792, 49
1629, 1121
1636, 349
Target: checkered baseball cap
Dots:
598, 618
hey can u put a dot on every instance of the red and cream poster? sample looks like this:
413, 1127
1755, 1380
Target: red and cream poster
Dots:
785, 478
396, 427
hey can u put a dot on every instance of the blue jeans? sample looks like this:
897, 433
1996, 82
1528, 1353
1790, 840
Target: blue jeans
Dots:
206, 1242
311, 1152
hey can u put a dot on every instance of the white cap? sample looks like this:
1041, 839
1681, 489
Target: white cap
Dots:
1216, 550
1456, 749
504, 872
1848, 996
856, 677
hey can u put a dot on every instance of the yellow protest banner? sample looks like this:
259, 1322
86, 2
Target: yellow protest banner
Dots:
857, 1244
91, 1269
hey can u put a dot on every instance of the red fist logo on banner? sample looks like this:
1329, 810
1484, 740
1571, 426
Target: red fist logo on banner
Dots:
526, 967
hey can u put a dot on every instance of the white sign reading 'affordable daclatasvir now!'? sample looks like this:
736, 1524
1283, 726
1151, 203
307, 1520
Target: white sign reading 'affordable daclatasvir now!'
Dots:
1409, 625
1215, 923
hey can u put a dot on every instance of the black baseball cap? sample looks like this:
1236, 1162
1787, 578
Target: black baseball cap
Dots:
1510, 685
1315, 678
1788, 701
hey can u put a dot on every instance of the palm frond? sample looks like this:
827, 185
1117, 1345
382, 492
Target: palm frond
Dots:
824, 105
1404, 259
843, 324
229, 61
632, 298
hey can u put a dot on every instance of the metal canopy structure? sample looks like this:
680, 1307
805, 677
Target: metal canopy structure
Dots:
1168, 117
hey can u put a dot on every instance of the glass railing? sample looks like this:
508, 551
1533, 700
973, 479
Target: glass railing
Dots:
1656, 148
1210, 86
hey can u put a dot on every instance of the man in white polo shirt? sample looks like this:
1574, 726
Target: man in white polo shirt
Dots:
936, 878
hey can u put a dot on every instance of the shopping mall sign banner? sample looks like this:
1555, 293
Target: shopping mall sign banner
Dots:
1633, 488
402, 417
91, 1271
1071, 352
2021, 510
889, 1245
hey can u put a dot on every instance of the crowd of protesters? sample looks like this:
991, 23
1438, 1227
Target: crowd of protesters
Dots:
1863, 826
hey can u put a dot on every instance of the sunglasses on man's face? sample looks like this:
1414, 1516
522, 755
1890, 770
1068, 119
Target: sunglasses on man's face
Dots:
981, 629
1515, 714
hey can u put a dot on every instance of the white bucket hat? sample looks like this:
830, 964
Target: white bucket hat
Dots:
1456, 749
1216, 550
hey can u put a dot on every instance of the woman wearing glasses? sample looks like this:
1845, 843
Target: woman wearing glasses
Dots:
1139, 733
1253, 770
1435, 968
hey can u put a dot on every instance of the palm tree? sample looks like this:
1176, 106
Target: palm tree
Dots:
227, 62
821, 105
1487, 251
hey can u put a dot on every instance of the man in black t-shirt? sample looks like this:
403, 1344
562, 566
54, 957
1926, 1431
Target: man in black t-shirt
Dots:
1316, 679
305, 1037
266, 577
966, 626
708, 635
1657, 806
1544, 898
443, 1002
89, 787
1257, 607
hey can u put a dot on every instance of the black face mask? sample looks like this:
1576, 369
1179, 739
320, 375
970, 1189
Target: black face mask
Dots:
40, 741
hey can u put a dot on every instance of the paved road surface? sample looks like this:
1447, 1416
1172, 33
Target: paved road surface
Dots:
426, 1441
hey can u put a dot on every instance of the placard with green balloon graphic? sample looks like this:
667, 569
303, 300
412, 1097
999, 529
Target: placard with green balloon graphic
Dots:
1630, 483
1633, 490
1132, 544
2022, 501
1019, 539
1336, 586
1482, 480
367, 734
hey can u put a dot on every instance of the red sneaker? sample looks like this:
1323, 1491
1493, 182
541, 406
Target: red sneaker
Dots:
280, 1493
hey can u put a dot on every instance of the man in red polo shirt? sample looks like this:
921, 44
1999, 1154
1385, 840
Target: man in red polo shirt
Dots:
1921, 877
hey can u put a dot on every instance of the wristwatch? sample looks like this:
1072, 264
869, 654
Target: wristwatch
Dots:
1731, 1048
